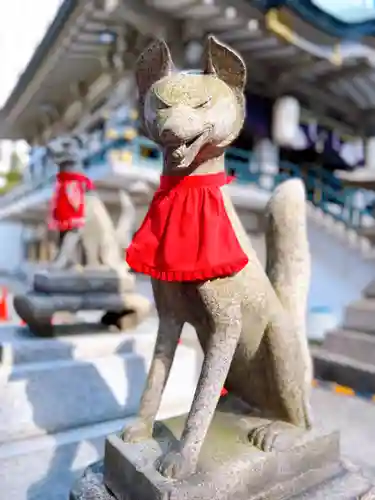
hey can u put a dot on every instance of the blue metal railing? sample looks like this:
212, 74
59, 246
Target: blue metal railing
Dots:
323, 189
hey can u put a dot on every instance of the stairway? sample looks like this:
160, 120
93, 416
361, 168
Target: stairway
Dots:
60, 397
347, 355
349, 484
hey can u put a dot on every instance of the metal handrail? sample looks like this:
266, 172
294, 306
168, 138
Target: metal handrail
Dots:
323, 189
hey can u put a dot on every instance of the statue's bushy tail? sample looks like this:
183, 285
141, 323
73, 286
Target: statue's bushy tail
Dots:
127, 220
288, 258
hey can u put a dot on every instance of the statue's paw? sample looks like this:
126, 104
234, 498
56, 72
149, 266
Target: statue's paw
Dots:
138, 431
274, 436
175, 465
263, 437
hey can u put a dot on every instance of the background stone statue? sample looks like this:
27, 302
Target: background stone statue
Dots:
89, 272
102, 243
251, 324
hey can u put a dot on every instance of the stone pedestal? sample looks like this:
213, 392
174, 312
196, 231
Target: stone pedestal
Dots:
347, 484
347, 355
88, 279
229, 467
85, 289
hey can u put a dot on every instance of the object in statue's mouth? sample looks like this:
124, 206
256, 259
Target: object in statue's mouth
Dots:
191, 141
193, 144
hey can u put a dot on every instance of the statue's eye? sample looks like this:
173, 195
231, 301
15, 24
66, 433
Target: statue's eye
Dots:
203, 104
162, 105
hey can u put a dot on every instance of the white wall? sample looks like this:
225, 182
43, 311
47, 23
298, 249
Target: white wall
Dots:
339, 274
11, 248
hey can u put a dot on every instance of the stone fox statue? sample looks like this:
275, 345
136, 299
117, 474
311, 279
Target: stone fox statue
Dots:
102, 243
250, 322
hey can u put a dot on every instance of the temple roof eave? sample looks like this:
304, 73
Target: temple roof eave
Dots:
75, 55
335, 83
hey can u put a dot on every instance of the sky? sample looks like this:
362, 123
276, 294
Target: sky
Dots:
23, 24
349, 10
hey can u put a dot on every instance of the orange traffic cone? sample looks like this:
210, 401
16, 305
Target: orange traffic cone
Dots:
4, 313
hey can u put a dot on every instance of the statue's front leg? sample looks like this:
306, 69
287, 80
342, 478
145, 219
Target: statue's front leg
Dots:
65, 255
181, 462
166, 343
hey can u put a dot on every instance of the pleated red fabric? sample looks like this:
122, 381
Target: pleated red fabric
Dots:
186, 234
68, 201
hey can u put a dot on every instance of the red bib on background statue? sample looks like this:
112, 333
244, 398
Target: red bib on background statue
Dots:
68, 202
186, 234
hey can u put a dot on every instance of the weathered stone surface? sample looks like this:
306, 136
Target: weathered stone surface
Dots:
85, 280
91, 486
346, 485
229, 467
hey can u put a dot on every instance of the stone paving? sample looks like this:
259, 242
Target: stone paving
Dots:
67, 455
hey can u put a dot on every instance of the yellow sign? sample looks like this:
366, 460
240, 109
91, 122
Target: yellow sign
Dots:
130, 133
133, 114
126, 157
111, 134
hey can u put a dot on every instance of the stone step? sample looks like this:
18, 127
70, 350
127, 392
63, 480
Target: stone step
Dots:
19, 345
45, 468
356, 345
53, 396
369, 291
344, 370
360, 316
346, 486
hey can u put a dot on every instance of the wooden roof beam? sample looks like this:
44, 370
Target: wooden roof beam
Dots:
346, 72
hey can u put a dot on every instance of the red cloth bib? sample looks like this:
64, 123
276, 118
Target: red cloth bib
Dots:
68, 202
186, 234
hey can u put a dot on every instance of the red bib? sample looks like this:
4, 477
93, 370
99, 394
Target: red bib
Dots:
186, 234
68, 202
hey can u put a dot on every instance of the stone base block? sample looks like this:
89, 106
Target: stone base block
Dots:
345, 485
229, 467
51, 386
37, 309
85, 280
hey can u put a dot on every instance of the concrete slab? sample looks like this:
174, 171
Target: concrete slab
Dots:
45, 468
356, 345
19, 345
83, 382
344, 370
346, 486
360, 316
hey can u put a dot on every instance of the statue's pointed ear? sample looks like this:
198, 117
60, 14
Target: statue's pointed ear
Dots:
224, 62
154, 63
